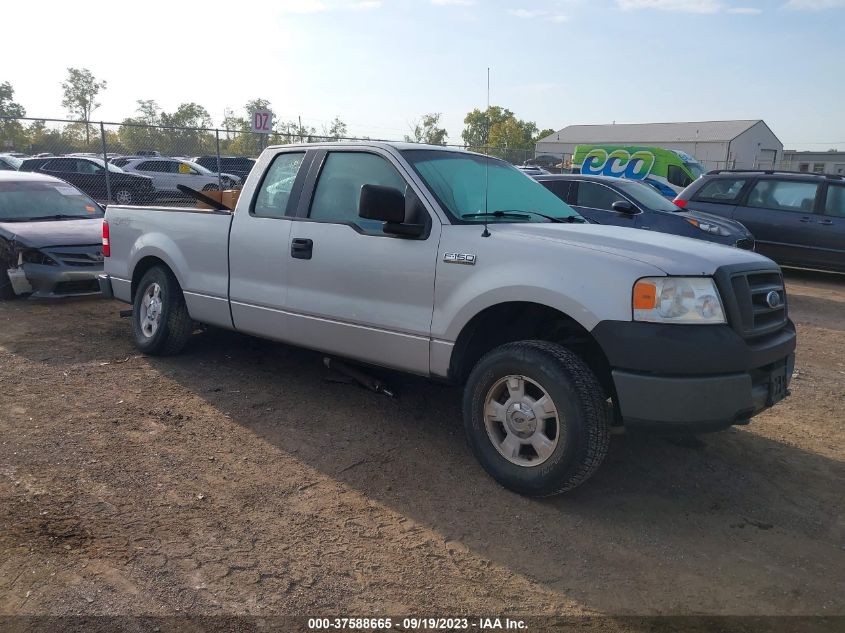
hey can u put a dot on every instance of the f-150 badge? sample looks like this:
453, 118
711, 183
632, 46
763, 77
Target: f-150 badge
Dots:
459, 258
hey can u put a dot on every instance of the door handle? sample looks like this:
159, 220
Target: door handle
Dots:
826, 222
301, 248
806, 220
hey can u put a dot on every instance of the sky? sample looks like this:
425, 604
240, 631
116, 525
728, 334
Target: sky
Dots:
381, 64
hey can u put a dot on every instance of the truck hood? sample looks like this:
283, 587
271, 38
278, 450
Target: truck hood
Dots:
54, 232
672, 254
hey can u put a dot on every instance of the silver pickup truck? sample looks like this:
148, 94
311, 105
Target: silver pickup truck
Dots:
456, 266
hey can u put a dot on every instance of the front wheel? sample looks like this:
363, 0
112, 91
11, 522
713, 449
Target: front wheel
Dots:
123, 196
161, 324
536, 417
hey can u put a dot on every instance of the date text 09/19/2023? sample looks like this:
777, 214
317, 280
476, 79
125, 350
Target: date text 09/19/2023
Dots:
417, 624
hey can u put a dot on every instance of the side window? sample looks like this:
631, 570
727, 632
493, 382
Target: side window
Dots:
676, 176
558, 187
87, 167
147, 165
596, 196
784, 195
274, 194
835, 205
338, 190
721, 190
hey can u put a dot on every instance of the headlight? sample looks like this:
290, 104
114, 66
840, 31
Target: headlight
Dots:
37, 257
709, 227
677, 300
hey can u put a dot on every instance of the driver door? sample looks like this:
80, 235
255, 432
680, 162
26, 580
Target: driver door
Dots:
595, 201
353, 290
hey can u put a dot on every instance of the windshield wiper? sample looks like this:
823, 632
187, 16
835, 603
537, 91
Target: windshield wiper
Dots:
497, 214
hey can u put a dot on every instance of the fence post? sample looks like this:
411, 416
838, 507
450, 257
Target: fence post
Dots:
219, 177
105, 162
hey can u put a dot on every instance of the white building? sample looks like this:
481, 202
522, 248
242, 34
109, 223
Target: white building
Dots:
831, 162
716, 144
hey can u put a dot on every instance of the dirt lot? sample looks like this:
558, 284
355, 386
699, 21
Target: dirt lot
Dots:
236, 479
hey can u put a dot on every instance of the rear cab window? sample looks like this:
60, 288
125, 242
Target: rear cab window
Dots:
721, 190
274, 195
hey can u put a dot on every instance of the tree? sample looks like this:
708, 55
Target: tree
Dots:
80, 95
499, 130
336, 129
149, 111
12, 134
427, 130
478, 125
543, 134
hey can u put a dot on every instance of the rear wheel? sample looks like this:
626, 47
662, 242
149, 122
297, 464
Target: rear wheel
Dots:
160, 322
536, 417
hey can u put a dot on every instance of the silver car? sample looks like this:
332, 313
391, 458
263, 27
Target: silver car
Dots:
50, 237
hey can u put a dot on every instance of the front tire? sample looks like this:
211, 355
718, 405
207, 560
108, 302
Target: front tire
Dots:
161, 325
536, 417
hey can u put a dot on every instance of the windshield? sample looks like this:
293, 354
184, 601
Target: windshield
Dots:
646, 196
696, 170
463, 189
14, 161
31, 200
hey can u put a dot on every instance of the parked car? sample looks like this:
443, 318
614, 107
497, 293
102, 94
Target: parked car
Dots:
235, 165
167, 173
9, 162
797, 218
552, 164
408, 257
50, 237
636, 205
532, 170
89, 175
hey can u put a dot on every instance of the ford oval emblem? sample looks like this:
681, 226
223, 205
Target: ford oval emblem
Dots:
773, 300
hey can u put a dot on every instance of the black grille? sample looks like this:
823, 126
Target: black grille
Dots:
77, 287
760, 301
79, 256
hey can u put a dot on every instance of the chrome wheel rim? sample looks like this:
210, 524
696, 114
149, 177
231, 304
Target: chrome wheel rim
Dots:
123, 197
522, 421
151, 308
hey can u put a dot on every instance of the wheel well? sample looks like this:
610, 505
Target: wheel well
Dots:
141, 269
519, 321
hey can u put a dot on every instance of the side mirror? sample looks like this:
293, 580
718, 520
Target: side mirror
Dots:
384, 204
389, 205
623, 206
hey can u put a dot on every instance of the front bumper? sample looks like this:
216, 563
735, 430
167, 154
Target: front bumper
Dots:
696, 403
50, 282
693, 378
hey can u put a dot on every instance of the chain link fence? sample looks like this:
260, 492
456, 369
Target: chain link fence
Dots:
136, 163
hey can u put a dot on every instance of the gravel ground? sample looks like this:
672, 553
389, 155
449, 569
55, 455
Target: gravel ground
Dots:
236, 479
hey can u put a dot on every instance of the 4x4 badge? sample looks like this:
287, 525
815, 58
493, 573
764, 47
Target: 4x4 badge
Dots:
459, 258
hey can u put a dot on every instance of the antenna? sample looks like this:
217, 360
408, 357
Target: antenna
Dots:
486, 233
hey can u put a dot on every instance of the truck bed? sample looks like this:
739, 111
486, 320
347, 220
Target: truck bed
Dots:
194, 243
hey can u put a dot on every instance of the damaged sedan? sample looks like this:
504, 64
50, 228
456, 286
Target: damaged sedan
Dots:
50, 238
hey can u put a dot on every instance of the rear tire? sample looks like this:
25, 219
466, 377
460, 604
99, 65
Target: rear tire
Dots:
536, 417
161, 325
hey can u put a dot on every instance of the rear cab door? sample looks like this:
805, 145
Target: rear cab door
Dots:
720, 196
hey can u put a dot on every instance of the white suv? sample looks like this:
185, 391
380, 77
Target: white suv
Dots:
169, 172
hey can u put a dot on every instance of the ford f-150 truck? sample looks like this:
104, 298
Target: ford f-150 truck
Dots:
456, 266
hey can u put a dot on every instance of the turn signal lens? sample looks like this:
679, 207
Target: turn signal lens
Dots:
645, 295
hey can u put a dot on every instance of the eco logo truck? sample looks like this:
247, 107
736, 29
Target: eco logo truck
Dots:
667, 170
